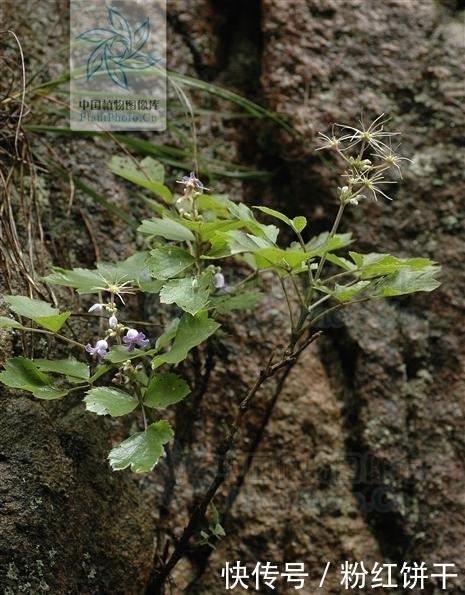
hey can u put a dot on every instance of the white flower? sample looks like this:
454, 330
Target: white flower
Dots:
219, 282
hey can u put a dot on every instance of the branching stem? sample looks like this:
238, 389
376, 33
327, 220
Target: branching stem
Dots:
287, 360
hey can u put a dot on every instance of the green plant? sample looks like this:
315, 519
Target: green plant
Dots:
191, 243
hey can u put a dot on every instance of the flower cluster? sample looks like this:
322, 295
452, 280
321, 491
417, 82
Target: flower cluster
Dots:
193, 188
368, 155
191, 182
133, 338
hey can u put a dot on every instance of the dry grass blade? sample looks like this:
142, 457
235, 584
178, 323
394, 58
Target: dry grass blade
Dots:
21, 232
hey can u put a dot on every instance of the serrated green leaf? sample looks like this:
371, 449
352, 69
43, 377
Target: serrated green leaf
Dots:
22, 373
285, 261
154, 206
49, 392
407, 281
126, 271
215, 203
69, 367
168, 334
396, 276
379, 265
207, 230
219, 247
166, 228
37, 310
152, 286
192, 331
52, 323
153, 168
271, 232
6, 322
242, 213
109, 401
131, 270
346, 293
340, 261
324, 243
168, 262
165, 389
239, 241
148, 174
83, 280
142, 450
191, 294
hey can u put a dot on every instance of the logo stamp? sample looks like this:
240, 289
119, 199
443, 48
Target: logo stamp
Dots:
118, 65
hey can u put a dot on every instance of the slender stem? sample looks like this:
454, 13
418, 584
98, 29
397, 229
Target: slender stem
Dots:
57, 335
78, 388
301, 240
141, 403
144, 416
289, 308
332, 233
288, 359
297, 291
322, 300
197, 253
343, 274
338, 307
319, 270
304, 248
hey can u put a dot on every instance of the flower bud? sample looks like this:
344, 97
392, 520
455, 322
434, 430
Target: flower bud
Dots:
97, 308
345, 193
218, 281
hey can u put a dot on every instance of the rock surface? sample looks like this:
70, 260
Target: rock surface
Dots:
67, 524
386, 423
362, 458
